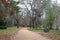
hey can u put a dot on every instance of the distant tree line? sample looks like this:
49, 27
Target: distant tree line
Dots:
38, 9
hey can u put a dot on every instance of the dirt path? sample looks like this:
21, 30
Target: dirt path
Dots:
24, 34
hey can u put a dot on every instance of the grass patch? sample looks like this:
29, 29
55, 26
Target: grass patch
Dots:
55, 32
37, 30
8, 30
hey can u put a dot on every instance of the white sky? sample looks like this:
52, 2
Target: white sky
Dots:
58, 1
15, 0
52, 0
23, 6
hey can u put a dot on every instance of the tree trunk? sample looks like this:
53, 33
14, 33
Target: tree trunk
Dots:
17, 23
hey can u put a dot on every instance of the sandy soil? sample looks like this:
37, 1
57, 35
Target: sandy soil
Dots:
24, 34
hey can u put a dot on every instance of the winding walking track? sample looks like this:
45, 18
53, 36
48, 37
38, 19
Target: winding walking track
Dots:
24, 34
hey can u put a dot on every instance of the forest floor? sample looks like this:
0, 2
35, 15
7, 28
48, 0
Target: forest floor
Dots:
24, 34
52, 34
6, 34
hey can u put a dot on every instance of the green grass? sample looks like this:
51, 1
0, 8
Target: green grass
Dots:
53, 31
8, 30
37, 30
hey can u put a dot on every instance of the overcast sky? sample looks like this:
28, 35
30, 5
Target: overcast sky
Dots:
52, 0
23, 6
15, 0
58, 1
